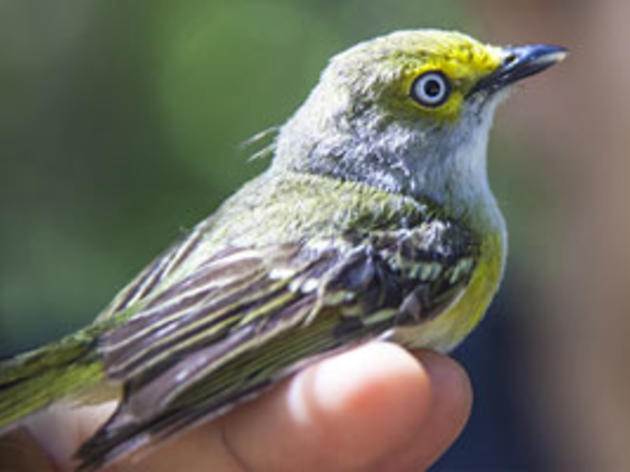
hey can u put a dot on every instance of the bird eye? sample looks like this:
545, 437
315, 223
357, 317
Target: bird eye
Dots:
431, 89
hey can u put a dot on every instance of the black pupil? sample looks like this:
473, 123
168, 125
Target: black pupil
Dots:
432, 88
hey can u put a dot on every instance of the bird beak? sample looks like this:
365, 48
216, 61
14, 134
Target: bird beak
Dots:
518, 63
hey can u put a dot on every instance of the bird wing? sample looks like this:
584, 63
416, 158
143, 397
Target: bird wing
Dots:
248, 317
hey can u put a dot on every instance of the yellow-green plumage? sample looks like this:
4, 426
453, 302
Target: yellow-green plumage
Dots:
52, 373
374, 221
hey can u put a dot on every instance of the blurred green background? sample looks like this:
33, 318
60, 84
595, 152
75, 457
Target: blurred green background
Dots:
120, 125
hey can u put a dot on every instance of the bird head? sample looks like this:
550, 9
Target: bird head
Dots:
408, 112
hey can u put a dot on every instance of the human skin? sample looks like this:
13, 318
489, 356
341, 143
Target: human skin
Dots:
376, 407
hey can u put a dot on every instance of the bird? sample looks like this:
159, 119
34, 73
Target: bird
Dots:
373, 221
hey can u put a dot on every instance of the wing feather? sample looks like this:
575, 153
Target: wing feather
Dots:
248, 317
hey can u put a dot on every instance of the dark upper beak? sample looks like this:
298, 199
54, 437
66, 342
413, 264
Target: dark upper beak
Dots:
520, 62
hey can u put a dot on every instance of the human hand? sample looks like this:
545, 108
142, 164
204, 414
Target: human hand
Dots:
376, 407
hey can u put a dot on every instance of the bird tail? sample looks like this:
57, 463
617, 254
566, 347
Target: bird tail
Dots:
33, 380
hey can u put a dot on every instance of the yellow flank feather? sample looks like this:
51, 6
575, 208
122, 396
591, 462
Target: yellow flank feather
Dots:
460, 318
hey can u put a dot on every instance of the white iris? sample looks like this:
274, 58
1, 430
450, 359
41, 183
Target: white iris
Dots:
431, 89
